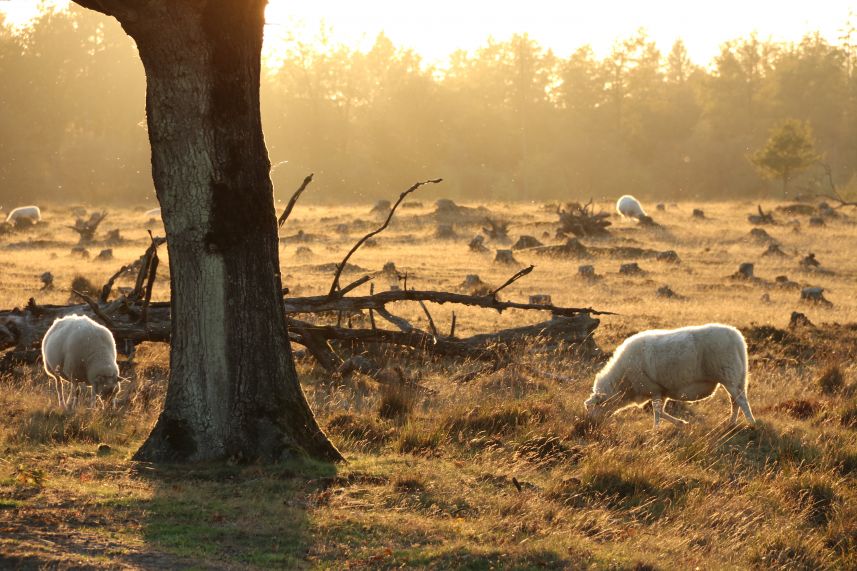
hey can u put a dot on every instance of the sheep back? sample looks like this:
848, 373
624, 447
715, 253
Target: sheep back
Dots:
33, 213
629, 207
80, 349
670, 360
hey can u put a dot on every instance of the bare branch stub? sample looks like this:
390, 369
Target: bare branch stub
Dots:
150, 285
146, 262
95, 309
335, 284
513, 279
430, 320
293, 200
108, 287
836, 197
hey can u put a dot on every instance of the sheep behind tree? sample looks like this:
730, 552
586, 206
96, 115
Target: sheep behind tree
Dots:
78, 350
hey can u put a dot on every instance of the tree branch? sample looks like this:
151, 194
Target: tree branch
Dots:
341, 266
95, 309
512, 280
379, 300
290, 206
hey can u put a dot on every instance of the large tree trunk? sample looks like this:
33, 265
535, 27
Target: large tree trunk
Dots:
233, 391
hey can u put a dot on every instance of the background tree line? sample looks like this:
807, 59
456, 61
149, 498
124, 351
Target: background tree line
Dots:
511, 121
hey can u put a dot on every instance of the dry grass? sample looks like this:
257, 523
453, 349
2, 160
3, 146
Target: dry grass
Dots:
496, 470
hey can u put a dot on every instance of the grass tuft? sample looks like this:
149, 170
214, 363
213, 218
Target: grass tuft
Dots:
831, 380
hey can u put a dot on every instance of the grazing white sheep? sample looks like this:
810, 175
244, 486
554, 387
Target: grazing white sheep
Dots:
26, 214
630, 207
683, 364
78, 350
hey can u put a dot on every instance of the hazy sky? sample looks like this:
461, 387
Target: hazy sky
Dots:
436, 28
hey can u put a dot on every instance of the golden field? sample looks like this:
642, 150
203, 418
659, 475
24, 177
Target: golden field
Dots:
492, 471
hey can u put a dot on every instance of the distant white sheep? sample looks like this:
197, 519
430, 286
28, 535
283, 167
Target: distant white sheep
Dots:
684, 364
630, 207
24, 214
78, 350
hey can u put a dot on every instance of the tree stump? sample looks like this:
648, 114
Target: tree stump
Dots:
785, 283
587, 271
445, 232
669, 256
761, 236
80, 251
104, 255
774, 250
698, 213
477, 244
798, 319
582, 220
47, 280
114, 238
86, 228
303, 252
473, 285
631, 269
647, 221
761, 218
497, 230
381, 208
505, 257
809, 262
666, 291
745, 271
814, 294
526, 241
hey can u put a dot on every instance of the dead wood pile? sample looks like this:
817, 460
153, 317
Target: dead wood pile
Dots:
133, 318
582, 220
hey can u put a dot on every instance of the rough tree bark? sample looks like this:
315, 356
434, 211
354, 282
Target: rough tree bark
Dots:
233, 390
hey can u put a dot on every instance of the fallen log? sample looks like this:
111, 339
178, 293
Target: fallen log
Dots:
23, 330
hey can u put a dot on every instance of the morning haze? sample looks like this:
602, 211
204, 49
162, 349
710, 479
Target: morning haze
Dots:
533, 305
507, 120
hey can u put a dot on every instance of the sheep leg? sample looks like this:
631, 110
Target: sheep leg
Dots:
745, 407
57, 387
739, 398
733, 418
658, 408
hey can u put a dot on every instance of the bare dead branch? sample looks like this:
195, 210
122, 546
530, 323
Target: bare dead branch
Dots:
108, 287
290, 206
372, 311
835, 197
430, 320
354, 285
379, 300
335, 285
146, 261
513, 279
95, 309
399, 322
150, 285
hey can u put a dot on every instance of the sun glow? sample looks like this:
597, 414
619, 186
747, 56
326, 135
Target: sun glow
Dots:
19, 14
437, 29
